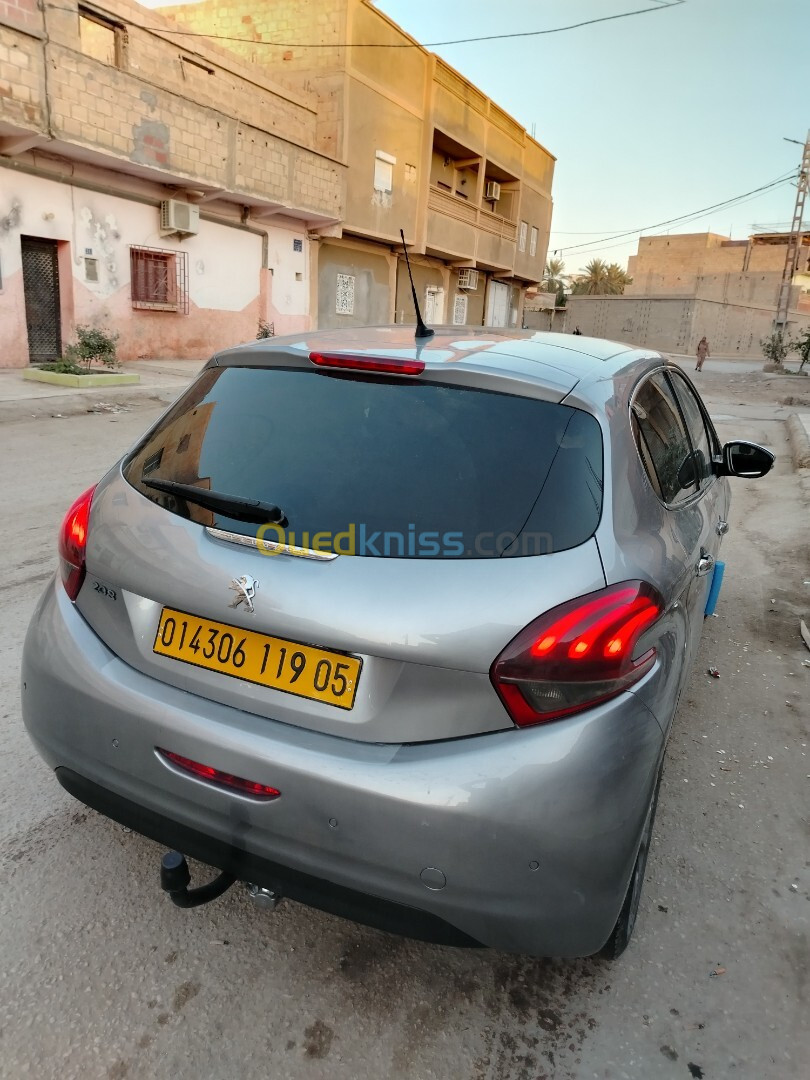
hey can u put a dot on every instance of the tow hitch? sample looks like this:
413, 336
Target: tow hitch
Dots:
175, 878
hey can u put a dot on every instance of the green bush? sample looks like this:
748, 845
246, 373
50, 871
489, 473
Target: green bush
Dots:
92, 345
801, 345
775, 347
62, 367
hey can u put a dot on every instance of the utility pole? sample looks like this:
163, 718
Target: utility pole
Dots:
794, 240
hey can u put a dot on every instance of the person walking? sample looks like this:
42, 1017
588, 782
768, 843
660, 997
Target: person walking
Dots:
702, 353
577, 332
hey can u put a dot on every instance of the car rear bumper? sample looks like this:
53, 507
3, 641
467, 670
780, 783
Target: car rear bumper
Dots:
534, 831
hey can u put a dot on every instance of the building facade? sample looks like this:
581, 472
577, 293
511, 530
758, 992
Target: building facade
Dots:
150, 184
672, 265
425, 151
685, 287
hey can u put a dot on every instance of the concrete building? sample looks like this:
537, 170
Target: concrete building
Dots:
701, 283
672, 265
425, 152
150, 184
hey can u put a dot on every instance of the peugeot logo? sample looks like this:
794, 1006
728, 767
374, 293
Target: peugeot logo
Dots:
245, 588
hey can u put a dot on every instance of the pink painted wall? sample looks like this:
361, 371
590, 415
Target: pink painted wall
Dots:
229, 288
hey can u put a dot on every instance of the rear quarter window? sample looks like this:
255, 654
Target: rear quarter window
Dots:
378, 467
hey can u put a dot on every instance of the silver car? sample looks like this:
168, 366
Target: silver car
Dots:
395, 630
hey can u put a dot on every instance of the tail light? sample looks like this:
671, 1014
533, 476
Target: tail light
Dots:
219, 778
578, 654
390, 365
73, 543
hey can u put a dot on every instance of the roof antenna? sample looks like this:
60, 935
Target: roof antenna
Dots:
422, 331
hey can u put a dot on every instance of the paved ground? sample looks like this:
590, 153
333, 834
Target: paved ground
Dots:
100, 977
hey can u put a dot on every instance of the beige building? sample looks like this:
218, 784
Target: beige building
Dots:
150, 184
425, 151
700, 283
673, 265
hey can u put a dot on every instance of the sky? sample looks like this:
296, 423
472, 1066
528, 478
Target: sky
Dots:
650, 116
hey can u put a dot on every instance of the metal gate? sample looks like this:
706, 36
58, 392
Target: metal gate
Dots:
497, 304
41, 286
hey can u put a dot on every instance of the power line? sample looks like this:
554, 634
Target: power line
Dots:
383, 45
684, 217
623, 243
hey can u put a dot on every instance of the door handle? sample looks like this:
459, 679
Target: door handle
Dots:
721, 527
705, 564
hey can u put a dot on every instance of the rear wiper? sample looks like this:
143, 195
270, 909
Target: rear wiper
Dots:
232, 506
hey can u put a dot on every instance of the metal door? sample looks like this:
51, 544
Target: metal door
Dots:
497, 304
41, 286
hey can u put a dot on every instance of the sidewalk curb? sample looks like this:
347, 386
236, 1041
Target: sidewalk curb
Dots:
798, 433
22, 409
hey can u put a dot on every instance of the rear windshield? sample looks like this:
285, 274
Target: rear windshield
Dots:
379, 467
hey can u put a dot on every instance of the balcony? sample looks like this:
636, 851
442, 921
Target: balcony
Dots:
458, 230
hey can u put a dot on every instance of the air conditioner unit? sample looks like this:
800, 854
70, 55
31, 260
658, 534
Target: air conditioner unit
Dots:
493, 190
468, 279
179, 217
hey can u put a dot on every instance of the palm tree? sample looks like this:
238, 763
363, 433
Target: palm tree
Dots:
602, 279
555, 276
594, 280
617, 279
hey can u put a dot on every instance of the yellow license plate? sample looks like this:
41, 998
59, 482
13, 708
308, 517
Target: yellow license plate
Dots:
302, 670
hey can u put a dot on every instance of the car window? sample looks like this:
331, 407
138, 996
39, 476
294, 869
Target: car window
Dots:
696, 426
380, 467
662, 439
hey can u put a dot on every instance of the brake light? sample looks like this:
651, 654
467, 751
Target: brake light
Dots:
578, 654
221, 779
73, 543
386, 364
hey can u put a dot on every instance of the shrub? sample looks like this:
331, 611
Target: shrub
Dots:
775, 347
92, 345
266, 329
801, 345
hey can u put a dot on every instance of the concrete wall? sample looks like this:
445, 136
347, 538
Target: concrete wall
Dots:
229, 288
319, 70
372, 282
166, 104
554, 320
375, 123
475, 299
425, 276
676, 324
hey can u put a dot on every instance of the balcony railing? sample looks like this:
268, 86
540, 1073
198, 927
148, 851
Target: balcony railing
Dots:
499, 226
453, 207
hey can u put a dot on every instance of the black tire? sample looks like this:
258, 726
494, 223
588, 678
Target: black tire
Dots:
625, 924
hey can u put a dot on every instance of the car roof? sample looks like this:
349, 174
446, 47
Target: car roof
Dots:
560, 361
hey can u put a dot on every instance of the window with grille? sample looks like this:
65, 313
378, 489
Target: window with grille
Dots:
524, 228
159, 279
533, 241
344, 297
460, 310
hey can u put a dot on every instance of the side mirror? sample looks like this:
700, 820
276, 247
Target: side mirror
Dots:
747, 459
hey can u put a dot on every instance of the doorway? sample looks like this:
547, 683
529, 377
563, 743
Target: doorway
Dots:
42, 303
434, 305
497, 304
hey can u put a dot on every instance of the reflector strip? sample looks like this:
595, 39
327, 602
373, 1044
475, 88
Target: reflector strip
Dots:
221, 779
